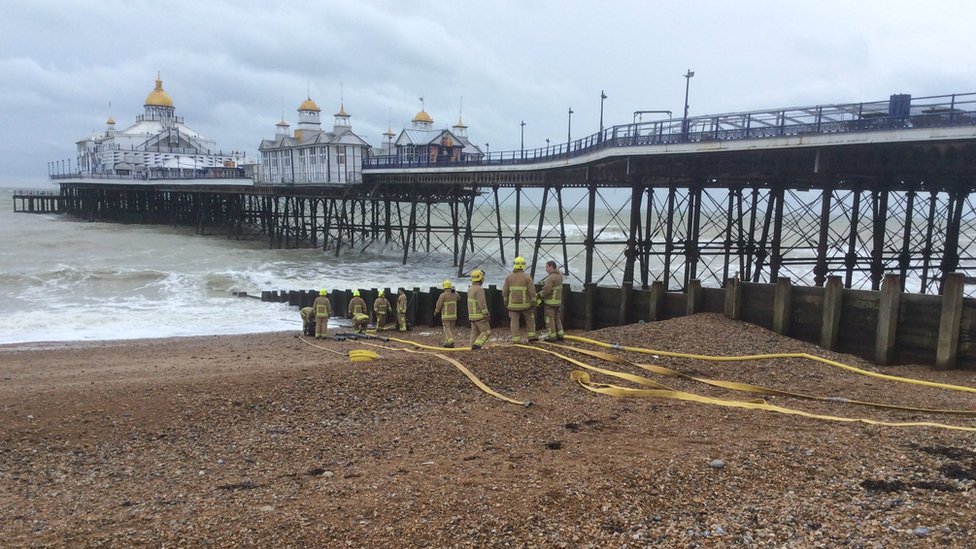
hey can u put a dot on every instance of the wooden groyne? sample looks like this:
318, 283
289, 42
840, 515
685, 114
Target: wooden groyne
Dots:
886, 326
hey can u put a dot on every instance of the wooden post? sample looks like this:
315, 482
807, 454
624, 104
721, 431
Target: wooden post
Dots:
626, 291
695, 297
733, 299
567, 289
656, 311
833, 300
949, 322
427, 312
589, 309
783, 306
884, 344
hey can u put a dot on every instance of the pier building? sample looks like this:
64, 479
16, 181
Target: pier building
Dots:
426, 144
159, 142
312, 155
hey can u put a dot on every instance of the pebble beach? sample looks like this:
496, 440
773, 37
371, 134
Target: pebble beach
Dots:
265, 440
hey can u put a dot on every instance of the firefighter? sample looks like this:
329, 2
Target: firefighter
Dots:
323, 310
381, 307
357, 307
359, 322
552, 297
478, 311
308, 320
446, 306
518, 293
402, 310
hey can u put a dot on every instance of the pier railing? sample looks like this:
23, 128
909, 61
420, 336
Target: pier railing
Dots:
157, 173
899, 112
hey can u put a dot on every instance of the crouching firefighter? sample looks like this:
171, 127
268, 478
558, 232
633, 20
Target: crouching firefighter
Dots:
308, 321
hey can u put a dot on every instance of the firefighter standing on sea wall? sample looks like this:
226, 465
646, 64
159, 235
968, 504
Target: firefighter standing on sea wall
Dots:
478, 312
551, 296
518, 292
322, 309
446, 306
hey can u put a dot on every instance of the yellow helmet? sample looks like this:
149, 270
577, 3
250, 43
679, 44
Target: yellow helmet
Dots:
477, 275
355, 293
323, 291
519, 263
447, 284
380, 293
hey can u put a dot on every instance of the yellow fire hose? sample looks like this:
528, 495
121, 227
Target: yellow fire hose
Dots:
474, 379
355, 355
658, 390
583, 379
771, 356
662, 391
428, 347
737, 386
359, 355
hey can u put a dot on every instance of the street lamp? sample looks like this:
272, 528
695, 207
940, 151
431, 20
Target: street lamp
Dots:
547, 146
684, 123
522, 139
603, 96
569, 129
487, 151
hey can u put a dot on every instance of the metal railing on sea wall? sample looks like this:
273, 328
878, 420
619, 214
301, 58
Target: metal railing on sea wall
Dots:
887, 326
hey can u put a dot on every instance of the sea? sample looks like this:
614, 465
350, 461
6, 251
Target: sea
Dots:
64, 279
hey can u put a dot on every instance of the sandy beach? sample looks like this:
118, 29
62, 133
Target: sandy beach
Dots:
264, 440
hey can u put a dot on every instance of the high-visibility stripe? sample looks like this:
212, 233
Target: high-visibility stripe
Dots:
518, 298
473, 312
556, 298
449, 312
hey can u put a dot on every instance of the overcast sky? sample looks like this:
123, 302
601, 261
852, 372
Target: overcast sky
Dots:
230, 66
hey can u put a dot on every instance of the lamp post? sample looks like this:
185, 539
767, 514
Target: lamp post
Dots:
547, 146
487, 152
603, 96
684, 123
522, 139
569, 130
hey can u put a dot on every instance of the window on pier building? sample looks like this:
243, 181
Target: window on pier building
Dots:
341, 155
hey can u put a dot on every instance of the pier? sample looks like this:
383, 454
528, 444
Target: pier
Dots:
855, 190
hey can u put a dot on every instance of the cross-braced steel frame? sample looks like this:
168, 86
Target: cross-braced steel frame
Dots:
759, 215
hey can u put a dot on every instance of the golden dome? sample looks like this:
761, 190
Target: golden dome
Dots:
422, 116
342, 111
309, 105
158, 97
110, 121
